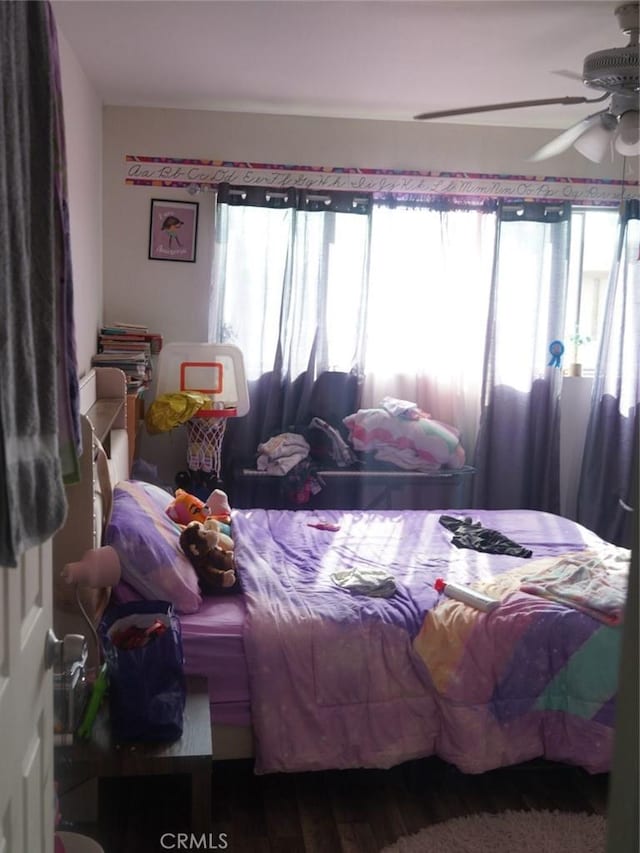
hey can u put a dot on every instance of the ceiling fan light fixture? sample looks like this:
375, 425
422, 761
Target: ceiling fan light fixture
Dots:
628, 137
615, 128
595, 142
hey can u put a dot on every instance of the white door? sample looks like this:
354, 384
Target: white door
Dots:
26, 706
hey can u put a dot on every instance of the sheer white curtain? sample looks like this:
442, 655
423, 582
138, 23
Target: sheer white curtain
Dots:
452, 309
429, 287
289, 288
250, 270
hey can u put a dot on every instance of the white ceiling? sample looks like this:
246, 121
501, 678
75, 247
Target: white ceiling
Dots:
357, 59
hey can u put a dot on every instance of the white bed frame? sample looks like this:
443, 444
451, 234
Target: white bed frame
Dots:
103, 406
103, 420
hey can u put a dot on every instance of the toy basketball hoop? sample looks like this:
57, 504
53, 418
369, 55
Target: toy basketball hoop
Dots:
216, 370
204, 444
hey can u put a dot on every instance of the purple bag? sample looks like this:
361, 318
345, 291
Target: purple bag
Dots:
147, 688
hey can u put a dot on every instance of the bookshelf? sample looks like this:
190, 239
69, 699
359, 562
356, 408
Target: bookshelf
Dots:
129, 347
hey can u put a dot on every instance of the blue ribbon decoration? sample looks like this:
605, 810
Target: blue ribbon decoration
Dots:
556, 348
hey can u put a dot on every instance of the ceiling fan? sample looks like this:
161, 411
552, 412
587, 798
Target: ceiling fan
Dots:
613, 70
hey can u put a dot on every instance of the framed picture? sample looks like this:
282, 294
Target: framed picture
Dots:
173, 230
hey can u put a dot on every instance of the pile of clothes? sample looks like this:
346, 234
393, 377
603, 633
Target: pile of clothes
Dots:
296, 456
398, 433
281, 453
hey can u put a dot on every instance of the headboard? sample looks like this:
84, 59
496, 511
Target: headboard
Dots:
104, 461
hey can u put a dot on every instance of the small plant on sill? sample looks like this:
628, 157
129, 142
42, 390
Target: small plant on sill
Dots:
578, 340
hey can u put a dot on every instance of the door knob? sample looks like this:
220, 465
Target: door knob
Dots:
63, 654
52, 649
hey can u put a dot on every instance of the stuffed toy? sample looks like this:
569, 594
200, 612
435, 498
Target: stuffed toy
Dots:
210, 552
218, 504
185, 508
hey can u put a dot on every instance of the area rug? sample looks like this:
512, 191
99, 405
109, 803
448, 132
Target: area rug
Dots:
510, 832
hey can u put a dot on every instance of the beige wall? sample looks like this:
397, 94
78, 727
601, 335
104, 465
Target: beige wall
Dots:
171, 297
83, 130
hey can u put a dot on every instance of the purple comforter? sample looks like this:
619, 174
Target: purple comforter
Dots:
334, 679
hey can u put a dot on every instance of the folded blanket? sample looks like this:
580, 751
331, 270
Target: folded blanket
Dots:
593, 582
412, 442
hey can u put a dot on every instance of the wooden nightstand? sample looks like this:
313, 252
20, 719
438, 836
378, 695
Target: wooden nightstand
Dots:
100, 757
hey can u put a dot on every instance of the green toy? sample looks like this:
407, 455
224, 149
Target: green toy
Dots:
93, 706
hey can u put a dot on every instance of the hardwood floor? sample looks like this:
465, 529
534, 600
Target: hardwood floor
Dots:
348, 811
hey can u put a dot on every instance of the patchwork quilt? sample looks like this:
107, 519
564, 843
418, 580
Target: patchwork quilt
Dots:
341, 678
532, 673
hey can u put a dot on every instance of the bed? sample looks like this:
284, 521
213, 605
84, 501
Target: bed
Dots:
317, 663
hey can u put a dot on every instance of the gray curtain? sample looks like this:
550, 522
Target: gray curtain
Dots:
518, 448
39, 421
280, 263
610, 460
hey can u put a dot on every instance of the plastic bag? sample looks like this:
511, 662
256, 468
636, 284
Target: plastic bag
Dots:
142, 645
170, 410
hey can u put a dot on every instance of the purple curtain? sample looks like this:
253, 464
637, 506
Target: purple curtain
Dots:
39, 433
279, 405
69, 430
518, 448
610, 460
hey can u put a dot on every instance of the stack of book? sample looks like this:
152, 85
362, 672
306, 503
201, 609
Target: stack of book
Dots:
129, 347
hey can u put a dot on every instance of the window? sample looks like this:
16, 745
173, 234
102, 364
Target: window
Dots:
396, 288
429, 282
593, 245
288, 282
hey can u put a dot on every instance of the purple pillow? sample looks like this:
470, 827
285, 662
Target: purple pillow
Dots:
147, 543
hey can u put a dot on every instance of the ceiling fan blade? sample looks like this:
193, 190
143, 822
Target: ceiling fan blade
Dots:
509, 105
570, 75
566, 139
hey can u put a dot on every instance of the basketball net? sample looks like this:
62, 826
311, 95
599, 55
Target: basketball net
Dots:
204, 444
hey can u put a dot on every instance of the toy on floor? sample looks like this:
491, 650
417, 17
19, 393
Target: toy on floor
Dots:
210, 552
